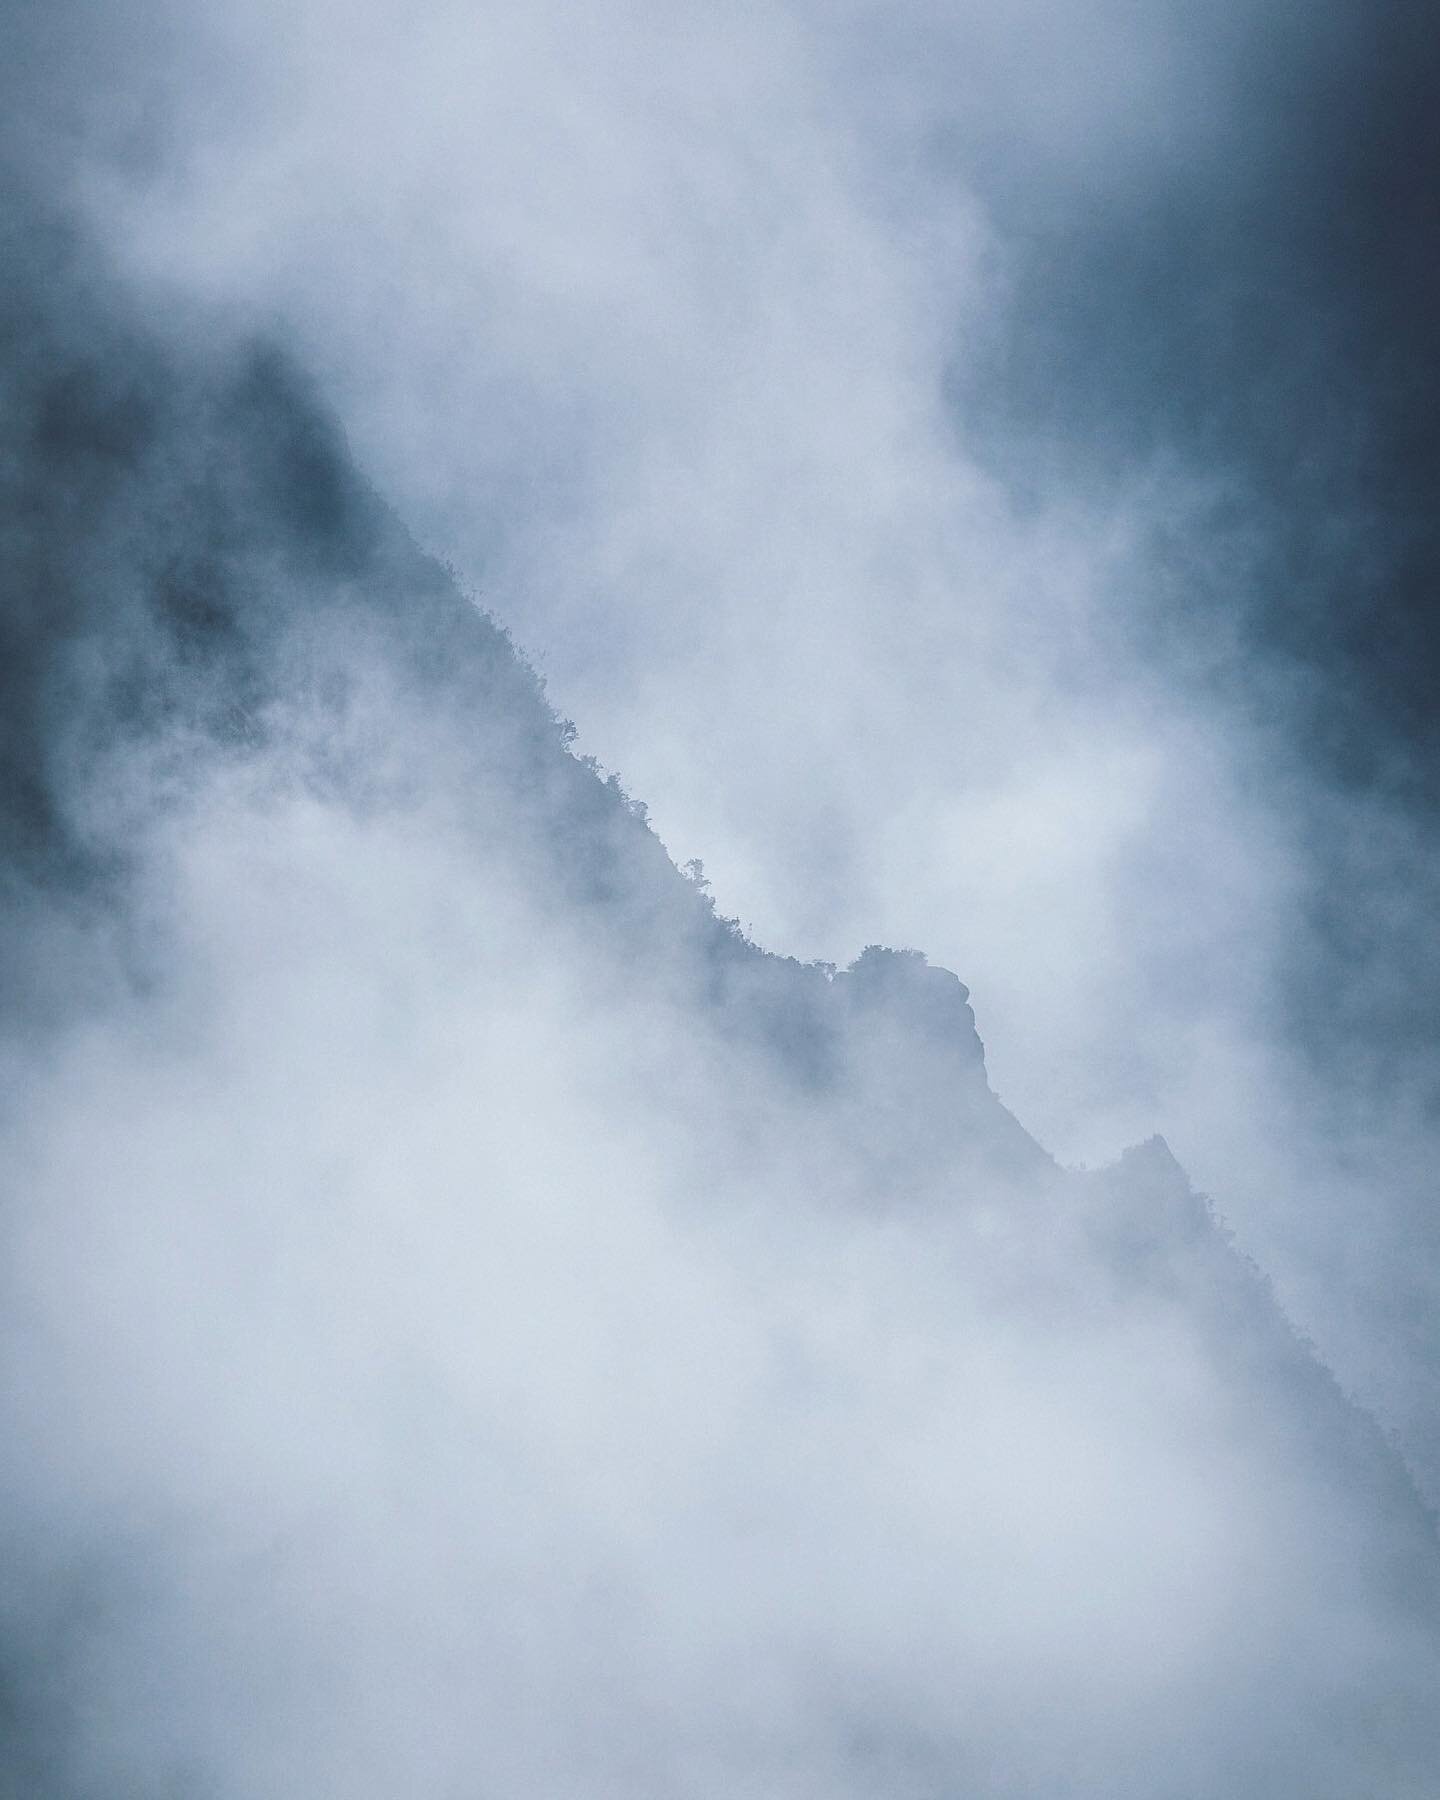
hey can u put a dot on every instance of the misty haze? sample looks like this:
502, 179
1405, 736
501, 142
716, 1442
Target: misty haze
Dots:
719, 1069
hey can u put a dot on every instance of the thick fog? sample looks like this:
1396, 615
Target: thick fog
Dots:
966, 468
475, 1325
442, 1363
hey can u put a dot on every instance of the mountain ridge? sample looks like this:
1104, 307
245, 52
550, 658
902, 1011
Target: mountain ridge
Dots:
210, 601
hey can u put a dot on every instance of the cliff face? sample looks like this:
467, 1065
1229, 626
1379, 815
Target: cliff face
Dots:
347, 1006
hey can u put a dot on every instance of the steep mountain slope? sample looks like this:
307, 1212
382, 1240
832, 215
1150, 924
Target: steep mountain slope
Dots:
193, 559
475, 1323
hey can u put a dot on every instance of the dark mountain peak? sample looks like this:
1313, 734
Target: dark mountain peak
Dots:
1154, 1156
900, 991
1153, 1167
